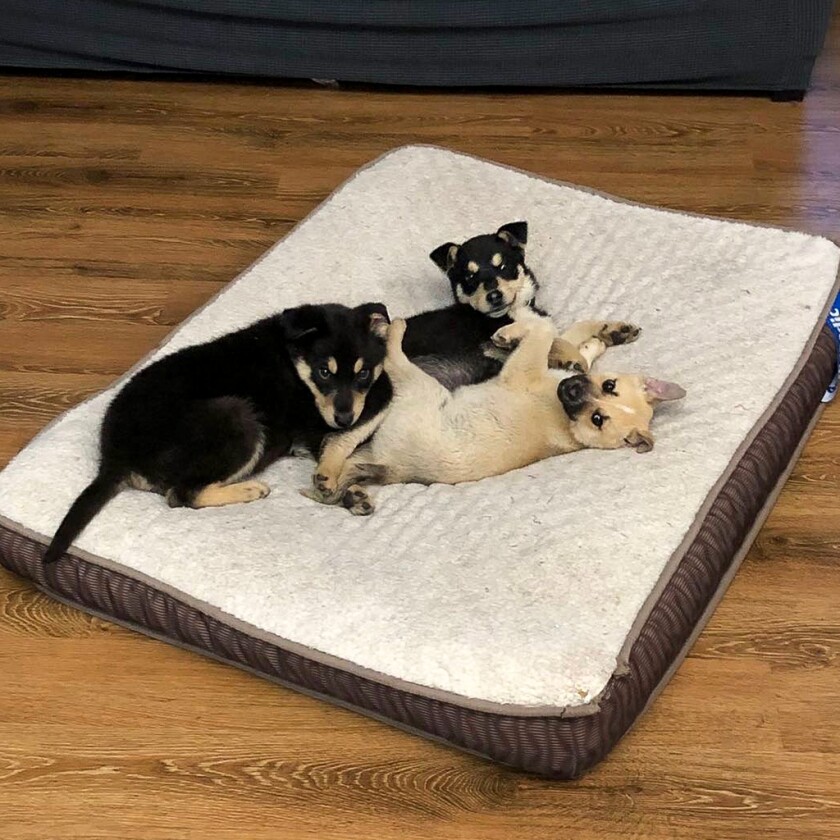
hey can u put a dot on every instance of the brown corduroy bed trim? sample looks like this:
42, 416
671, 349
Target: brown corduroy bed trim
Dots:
553, 746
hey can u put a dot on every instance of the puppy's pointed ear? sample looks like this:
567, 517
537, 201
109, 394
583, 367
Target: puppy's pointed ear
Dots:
376, 315
640, 439
514, 233
444, 256
303, 324
657, 390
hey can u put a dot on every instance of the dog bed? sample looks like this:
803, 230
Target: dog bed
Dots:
528, 617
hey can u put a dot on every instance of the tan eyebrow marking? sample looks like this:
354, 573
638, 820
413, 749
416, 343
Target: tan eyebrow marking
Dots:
332, 364
497, 259
472, 266
360, 363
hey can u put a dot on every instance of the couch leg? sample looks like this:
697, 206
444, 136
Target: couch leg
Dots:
787, 95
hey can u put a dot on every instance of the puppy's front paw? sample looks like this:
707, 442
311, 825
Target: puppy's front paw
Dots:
507, 337
325, 486
252, 490
357, 501
563, 355
613, 333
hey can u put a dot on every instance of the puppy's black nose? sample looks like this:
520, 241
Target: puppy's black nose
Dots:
495, 297
572, 393
344, 419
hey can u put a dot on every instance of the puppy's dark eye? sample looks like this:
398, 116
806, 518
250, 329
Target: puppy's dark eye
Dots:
609, 386
324, 373
363, 375
598, 419
503, 266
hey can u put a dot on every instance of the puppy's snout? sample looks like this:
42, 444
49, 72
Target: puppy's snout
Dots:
344, 419
572, 393
495, 297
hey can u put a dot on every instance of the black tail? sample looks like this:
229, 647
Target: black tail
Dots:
91, 500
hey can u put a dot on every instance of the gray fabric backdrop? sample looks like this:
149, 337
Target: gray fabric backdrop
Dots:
716, 44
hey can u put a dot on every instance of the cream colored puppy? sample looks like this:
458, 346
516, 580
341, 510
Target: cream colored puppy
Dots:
527, 413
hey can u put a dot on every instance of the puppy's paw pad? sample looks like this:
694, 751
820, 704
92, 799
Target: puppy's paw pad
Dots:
357, 502
326, 485
613, 333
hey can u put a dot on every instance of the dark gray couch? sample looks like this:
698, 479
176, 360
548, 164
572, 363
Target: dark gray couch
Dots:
682, 44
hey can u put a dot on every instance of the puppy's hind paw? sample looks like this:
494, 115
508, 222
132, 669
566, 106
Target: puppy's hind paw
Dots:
357, 501
613, 333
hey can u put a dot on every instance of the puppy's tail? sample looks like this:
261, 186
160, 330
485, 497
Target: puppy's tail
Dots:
90, 501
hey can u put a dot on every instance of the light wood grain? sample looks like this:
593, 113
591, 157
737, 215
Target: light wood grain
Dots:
124, 205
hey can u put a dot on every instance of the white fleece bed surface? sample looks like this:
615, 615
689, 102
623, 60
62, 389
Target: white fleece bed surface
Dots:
520, 589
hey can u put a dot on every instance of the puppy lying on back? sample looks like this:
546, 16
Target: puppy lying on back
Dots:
490, 279
527, 413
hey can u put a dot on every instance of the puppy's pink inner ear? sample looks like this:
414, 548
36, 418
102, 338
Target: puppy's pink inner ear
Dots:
659, 389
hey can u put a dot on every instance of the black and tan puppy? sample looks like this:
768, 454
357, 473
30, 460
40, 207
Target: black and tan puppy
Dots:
195, 425
490, 279
488, 273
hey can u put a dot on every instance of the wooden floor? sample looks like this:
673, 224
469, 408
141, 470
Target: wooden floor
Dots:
125, 205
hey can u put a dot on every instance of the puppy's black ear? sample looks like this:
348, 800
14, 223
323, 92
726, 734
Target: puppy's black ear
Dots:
444, 256
514, 233
303, 323
376, 317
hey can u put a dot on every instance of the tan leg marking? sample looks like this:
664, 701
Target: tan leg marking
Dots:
216, 495
336, 450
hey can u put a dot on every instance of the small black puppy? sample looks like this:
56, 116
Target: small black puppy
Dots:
488, 272
489, 276
194, 425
